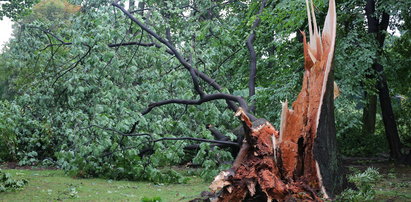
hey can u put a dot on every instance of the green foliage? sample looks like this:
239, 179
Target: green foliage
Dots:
7, 183
16, 9
23, 138
351, 141
212, 160
8, 137
153, 199
398, 51
68, 100
356, 51
56, 13
403, 109
365, 183
69, 193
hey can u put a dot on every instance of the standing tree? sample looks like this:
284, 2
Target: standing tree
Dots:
377, 26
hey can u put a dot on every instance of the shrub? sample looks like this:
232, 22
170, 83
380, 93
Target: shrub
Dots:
7, 183
365, 182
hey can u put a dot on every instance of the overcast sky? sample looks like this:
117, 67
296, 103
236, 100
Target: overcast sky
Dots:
5, 31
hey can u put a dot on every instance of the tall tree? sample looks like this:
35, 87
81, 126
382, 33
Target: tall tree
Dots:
377, 25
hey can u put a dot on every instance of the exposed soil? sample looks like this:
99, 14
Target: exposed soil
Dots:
14, 165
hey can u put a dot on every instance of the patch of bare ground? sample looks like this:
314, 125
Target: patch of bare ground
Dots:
14, 165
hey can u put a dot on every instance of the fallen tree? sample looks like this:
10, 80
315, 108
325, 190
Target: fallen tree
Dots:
300, 160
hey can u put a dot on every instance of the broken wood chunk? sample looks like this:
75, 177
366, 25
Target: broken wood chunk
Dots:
300, 161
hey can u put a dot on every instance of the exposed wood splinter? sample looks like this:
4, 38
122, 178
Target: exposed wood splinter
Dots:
297, 163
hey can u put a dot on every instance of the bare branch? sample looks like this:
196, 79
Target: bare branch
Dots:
220, 142
138, 44
48, 34
131, 44
51, 34
197, 139
196, 84
74, 65
216, 133
197, 146
205, 98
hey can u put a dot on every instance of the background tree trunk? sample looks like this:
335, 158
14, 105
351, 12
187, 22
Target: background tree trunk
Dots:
369, 114
378, 27
388, 118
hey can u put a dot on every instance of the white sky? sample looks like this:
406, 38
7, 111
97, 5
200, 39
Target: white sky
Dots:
5, 31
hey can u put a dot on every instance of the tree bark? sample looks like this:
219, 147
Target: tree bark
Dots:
253, 57
388, 118
370, 108
369, 114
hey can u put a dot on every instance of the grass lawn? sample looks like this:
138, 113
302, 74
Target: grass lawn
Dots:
52, 185
395, 184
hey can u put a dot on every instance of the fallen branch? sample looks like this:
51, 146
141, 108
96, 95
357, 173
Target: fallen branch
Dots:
135, 43
179, 57
74, 65
196, 139
205, 98
217, 134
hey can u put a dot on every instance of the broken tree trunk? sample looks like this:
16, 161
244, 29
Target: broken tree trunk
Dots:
300, 161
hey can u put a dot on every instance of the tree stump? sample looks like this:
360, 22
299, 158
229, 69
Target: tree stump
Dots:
299, 162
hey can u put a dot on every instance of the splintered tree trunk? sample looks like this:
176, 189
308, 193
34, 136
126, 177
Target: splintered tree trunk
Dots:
300, 161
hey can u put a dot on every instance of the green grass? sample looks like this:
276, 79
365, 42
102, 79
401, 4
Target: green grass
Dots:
52, 185
396, 184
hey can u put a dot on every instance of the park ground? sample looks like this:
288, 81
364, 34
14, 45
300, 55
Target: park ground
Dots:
55, 185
